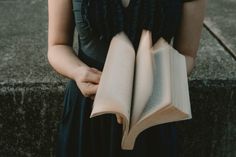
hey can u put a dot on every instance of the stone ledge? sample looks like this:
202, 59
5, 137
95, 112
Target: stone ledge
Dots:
212, 130
30, 114
28, 119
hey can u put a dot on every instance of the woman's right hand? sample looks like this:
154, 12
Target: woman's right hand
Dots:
87, 80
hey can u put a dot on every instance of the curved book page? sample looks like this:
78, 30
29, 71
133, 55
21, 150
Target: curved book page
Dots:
114, 92
143, 82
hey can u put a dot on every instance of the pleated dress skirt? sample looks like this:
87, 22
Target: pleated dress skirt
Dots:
81, 136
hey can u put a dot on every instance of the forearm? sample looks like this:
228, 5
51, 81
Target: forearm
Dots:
64, 60
189, 34
190, 63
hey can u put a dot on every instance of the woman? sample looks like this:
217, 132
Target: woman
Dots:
97, 22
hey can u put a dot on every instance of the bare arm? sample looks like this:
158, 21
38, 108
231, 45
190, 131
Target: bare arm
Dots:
189, 34
60, 38
61, 55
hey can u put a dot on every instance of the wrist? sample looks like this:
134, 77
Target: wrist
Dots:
190, 63
76, 72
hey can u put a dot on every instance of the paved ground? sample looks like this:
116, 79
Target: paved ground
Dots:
23, 42
221, 22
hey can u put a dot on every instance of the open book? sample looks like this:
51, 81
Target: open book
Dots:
146, 89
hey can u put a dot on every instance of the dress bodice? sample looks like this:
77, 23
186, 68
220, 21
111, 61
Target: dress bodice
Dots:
96, 24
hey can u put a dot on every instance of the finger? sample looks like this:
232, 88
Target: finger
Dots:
96, 70
92, 96
90, 88
92, 77
119, 119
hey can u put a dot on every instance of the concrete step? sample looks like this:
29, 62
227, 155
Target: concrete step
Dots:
212, 131
31, 92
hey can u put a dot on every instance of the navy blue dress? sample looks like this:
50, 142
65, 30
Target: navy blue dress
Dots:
80, 136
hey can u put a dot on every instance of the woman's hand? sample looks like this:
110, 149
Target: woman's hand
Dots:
119, 119
87, 80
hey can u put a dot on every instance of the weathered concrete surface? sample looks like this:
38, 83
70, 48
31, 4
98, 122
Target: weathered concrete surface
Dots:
29, 116
31, 93
213, 63
221, 21
212, 131
23, 46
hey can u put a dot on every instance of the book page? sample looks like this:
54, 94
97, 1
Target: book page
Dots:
180, 89
143, 76
161, 93
115, 87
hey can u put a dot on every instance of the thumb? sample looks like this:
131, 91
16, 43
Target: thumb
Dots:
119, 118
